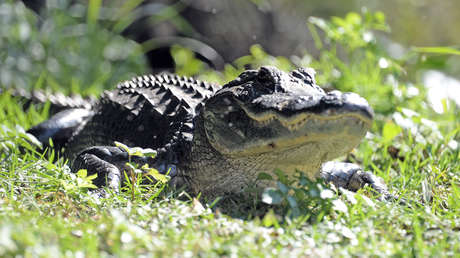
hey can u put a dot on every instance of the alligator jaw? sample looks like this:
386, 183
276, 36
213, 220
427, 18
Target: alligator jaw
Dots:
298, 121
285, 120
293, 111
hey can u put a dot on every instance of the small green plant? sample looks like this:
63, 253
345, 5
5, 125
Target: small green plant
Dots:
136, 174
83, 180
299, 195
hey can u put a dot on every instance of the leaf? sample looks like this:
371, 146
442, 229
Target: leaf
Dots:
66, 185
390, 131
270, 220
281, 176
437, 50
92, 177
186, 63
380, 17
82, 173
130, 166
136, 151
156, 174
271, 196
50, 141
121, 145
83, 180
149, 152
86, 184
264, 176
304, 181
283, 188
292, 201
353, 18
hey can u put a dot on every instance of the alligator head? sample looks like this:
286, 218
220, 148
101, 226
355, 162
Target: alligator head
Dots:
267, 119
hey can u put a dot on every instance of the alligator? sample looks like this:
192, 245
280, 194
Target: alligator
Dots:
217, 139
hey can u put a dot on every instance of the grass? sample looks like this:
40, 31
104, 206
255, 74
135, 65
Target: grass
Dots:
46, 211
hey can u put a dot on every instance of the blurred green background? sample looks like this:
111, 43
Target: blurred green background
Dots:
86, 46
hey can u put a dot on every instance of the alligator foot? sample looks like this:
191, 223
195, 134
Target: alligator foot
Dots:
351, 177
109, 163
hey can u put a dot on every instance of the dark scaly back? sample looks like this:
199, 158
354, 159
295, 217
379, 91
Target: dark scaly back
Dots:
154, 111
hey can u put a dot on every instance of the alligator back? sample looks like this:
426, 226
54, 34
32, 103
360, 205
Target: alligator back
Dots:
154, 111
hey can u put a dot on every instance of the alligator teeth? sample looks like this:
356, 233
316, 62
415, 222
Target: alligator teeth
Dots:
294, 125
297, 121
267, 120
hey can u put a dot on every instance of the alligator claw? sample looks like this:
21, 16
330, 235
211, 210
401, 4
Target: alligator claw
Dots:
351, 177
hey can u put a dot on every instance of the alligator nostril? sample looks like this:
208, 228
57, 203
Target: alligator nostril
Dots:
306, 75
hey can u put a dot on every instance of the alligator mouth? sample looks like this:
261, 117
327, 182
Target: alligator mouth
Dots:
298, 121
293, 112
288, 127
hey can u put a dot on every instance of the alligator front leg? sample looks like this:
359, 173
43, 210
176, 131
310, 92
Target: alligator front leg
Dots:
351, 177
109, 163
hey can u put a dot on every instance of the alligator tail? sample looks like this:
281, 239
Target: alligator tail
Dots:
58, 101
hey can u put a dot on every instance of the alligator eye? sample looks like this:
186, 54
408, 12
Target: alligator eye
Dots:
264, 75
269, 79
